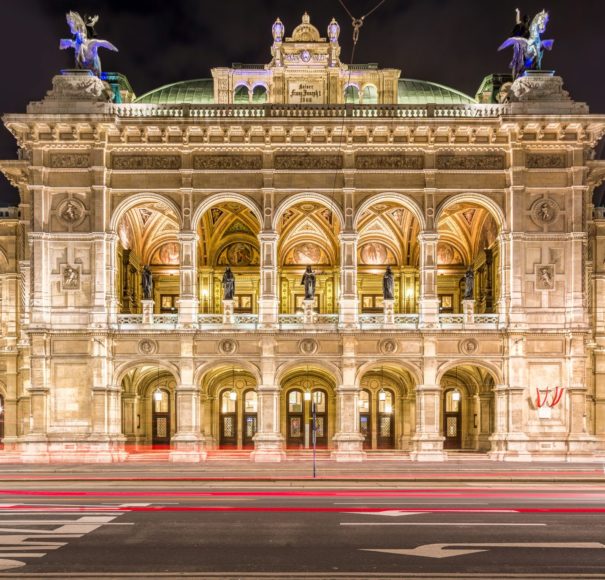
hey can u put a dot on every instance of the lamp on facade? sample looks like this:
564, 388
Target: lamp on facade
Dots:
157, 394
456, 395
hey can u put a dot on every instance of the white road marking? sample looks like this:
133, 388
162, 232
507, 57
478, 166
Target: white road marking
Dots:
390, 513
442, 550
432, 524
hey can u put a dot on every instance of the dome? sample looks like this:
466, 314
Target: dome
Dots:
195, 92
414, 92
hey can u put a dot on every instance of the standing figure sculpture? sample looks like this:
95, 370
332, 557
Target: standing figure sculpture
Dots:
469, 284
147, 283
308, 280
528, 50
85, 48
388, 285
228, 284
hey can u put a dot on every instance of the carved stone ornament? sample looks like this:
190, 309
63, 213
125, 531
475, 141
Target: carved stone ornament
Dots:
70, 277
69, 160
387, 346
147, 346
537, 86
545, 277
470, 162
76, 85
468, 346
228, 346
71, 212
308, 346
237, 162
308, 162
546, 160
146, 162
544, 211
389, 162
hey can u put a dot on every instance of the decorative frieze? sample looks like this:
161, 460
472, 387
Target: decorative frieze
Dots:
308, 162
470, 162
69, 160
146, 162
227, 162
389, 162
546, 160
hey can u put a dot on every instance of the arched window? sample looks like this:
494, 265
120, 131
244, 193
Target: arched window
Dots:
241, 95
259, 94
351, 94
369, 95
385, 402
228, 401
250, 402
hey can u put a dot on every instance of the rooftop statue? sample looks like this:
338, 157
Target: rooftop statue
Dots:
527, 44
85, 48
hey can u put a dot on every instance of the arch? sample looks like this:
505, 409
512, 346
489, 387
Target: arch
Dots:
491, 368
477, 198
351, 94
413, 370
139, 199
241, 93
403, 200
308, 197
206, 367
122, 370
369, 94
302, 364
219, 198
260, 93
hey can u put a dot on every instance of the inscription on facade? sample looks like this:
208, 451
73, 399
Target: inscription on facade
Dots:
389, 162
69, 160
146, 162
239, 162
474, 162
308, 162
305, 92
545, 160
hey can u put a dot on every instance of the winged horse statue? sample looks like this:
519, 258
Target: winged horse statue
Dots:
528, 51
86, 49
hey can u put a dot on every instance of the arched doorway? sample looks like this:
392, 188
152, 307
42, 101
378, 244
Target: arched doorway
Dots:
467, 408
229, 408
308, 398
2, 422
386, 408
148, 407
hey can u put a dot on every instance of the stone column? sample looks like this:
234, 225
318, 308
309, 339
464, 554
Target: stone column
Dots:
348, 302
111, 278
348, 440
429, 301
269, 296
40, 263
186, 443
188, 299
34, 444
106, 425
268, 441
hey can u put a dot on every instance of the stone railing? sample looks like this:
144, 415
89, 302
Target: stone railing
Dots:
451, 319
324, 110
490, 319
478, 320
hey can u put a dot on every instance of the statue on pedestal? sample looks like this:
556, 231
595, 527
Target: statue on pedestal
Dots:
308, 280
147, 283
228, 284
469, 284
528, 46
85, 48
388, 285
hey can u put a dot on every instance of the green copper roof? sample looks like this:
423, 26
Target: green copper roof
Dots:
196, 92
413, 92
201, 92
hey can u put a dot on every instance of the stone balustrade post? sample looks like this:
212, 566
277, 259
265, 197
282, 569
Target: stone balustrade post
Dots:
188, 300
429, 301
348, 302
269, 296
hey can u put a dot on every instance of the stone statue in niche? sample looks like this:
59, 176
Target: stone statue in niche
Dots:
71, 278
308, 281
71, 212
469, 284
388, 285
147, 283
228, 284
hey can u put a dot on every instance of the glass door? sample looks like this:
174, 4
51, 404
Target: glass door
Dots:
452, 419
249, 427
228, 419
386, 431
295, 420
319, 398
160, 418
365, 419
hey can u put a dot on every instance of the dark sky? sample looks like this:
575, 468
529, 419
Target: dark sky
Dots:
452, 42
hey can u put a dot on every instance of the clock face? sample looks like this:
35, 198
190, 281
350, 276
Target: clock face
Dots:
305, 56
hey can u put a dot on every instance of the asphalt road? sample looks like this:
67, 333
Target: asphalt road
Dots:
292, 530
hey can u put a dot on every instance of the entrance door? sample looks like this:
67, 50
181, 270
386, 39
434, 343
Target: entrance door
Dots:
365, 419
295, 419
385, 438
250, 418
1, 421
452, 419
228, 419
160, 418
319, 399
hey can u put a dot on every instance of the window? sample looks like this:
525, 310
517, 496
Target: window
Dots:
250, 402
295, 402
351, 94
369, 96
319, 398
259, 94
364, 402
228, 402
241, 95
372, 303
385, 402
160, 401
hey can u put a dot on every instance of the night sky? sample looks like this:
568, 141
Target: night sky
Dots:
452, 42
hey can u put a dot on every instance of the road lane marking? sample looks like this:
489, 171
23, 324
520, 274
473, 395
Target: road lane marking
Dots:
434, 524
442, 550
389, 513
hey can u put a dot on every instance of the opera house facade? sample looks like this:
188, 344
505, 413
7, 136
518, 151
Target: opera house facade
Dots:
118, 334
